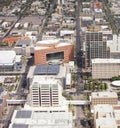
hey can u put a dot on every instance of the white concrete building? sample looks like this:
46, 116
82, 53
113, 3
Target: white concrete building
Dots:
61, 75
67, 34
114, 46
36, 119
68, 81
45, 92
9, 61
106, 116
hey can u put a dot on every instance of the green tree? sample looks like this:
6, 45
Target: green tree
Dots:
93, 87
105, 86
74, 77
85, 78
73, 85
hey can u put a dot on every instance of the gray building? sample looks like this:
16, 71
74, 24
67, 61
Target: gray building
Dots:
96, 47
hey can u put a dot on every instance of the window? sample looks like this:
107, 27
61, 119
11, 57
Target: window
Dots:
54, 56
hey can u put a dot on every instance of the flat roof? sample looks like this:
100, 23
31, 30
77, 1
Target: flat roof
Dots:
64, 32
61, 74
54, 41
20, 126
44, 80
104, 94
7, 57
106, 123
47, 70
23, 114
39, 48
18, 58
23, 42
98, 60
103, 108
48, 41
43, 120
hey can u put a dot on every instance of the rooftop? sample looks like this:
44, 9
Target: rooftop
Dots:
23, 42
61, 74
46, 70
103, 108
54, 41
40, 120
104, 95
7, 57
23, 114
97, 60
44, 80
106, 123
48, 41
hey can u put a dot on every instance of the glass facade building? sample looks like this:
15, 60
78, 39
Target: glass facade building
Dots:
96, 47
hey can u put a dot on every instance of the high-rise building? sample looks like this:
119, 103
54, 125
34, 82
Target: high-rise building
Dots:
96, 46
45, 92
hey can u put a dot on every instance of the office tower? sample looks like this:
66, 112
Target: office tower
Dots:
45, 92
96, 46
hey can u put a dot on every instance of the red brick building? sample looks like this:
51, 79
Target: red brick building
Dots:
48, 50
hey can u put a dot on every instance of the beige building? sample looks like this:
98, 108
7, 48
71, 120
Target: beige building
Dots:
106, 116
104, 98
105, 68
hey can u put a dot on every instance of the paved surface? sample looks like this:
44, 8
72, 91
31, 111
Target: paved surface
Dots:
35, 20
8, 18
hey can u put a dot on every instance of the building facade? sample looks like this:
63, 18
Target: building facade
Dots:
45, 92
96, 47
105, 68
3, 102
50, 50
104, 98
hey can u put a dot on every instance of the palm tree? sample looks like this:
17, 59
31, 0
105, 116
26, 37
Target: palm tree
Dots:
105, 86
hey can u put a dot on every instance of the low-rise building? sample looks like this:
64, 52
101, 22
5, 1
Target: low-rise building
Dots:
37, 119
9, 61
23, 47
106, 116
104, 98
